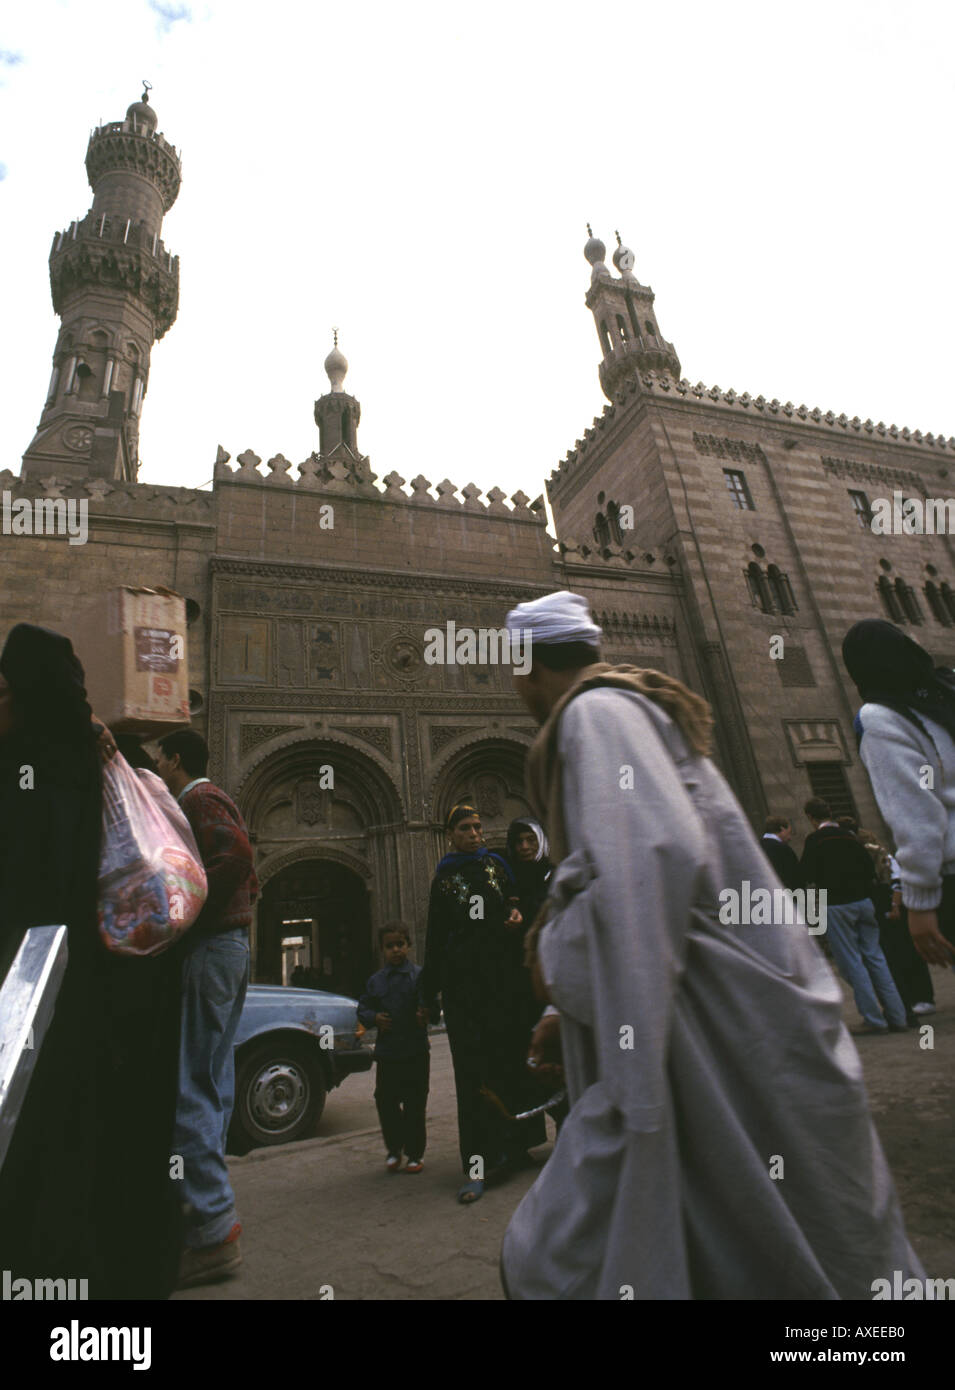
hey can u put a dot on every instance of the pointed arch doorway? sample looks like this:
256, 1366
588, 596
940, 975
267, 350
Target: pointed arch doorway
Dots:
315, 914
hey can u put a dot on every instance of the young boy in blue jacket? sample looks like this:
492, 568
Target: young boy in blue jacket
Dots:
393, 1004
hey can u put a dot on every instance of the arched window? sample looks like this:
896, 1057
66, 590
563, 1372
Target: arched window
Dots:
622, 329
889, 600
601, 531
613, 518
948, 598
781, 590
605, 337
632, 311
910, 603
650, 329
758, 588
937, 605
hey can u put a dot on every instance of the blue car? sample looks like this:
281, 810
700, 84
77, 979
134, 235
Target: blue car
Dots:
292, 1047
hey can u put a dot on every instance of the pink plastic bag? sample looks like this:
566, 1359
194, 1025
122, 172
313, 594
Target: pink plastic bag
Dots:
151, 881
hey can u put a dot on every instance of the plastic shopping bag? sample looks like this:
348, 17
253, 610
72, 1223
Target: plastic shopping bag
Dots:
151, 881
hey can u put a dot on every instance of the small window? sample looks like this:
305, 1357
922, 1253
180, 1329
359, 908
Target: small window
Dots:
937, 604
862, 509
890, 600
622, 329
828, 780
759, 592
601, 531
736, 482
948, 598
782, 590
613, 518
605, 337
650, 329
909, 601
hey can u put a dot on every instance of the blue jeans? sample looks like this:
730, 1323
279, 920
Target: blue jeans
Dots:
215, 975
853, 935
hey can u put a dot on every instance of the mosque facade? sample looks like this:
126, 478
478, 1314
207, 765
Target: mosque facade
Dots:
721, 538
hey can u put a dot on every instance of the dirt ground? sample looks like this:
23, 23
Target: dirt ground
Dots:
912, 1093
322, 1217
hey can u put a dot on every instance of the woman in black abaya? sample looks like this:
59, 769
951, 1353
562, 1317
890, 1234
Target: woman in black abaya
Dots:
85, 1191
473, 958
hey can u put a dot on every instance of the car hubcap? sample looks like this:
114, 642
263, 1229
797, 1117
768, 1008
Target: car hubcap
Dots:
278, 1096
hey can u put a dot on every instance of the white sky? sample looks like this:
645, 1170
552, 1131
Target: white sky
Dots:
420, 175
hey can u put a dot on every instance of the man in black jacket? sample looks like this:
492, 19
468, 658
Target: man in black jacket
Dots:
780, 853
834, 860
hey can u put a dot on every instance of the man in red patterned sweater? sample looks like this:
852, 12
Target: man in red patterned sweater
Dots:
215, 975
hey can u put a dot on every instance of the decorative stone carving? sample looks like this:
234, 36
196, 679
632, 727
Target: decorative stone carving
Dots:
736, 449
324, 654
873, 473
816, 741
78, 437
313, 802
278, 469
249, 465
394, 485
378, 735
402, 656
490, 792
250, 735
446, 493
440, 735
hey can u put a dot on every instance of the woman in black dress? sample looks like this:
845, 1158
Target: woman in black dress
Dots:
472, 958
85, 1188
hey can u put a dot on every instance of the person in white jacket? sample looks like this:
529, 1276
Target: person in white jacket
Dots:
906, 733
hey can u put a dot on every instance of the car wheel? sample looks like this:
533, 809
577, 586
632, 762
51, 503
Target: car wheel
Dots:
279, 1095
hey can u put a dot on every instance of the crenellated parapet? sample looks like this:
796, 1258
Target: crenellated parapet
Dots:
665, 387
105, 497
344, 474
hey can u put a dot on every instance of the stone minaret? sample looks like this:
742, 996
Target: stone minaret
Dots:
626, 322
336, 413
116, 290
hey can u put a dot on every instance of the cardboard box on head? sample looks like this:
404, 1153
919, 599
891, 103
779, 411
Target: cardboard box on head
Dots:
132, 643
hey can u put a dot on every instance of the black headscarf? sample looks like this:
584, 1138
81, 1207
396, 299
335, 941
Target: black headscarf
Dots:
50, 854
47, 681
890, 668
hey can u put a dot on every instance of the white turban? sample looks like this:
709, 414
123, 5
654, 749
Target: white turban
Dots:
556, 618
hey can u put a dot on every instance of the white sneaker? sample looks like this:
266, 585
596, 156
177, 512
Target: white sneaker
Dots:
923, 1008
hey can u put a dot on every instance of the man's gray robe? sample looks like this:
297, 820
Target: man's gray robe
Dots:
660, 1184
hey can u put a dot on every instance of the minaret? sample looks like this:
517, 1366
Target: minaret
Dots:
116, 290
336, 413
626, 322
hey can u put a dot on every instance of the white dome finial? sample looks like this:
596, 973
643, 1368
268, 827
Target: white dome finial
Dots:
336, 364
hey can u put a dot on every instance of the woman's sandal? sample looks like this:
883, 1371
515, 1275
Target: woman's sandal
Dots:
471, 1191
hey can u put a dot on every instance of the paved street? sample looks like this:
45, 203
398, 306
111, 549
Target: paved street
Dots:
325, 1212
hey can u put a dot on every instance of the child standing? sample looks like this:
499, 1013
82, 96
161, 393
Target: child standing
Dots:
392, 1003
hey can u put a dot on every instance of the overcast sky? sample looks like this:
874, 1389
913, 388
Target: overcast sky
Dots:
421, 174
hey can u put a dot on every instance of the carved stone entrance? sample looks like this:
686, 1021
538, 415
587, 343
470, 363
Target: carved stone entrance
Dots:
325, 903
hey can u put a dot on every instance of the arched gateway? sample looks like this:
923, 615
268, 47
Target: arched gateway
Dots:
315, 914
324, 818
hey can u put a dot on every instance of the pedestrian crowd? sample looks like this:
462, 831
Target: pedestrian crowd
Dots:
583, 970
